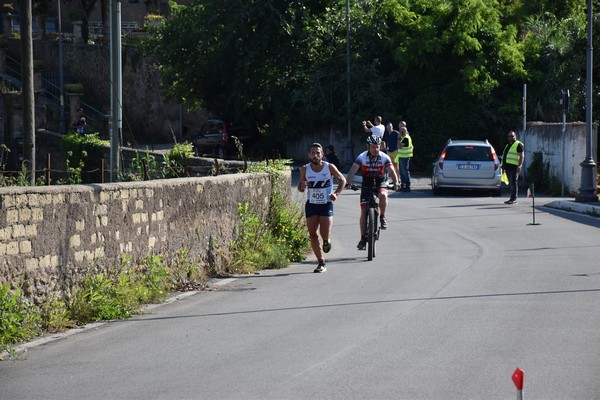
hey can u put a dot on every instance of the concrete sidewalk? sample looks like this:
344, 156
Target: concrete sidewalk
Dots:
591, 209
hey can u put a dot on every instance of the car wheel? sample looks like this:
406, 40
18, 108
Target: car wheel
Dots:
436, 191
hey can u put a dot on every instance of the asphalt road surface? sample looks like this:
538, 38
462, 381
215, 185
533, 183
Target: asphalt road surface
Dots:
464, 290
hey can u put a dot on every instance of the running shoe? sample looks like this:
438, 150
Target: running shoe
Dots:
320, 268
510, 202
326, 246
362, 245
383, 222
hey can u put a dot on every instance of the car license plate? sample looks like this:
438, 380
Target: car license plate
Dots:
468, 166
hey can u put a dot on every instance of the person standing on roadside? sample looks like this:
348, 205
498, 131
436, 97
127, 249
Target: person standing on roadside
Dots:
332, 157
391, 138
316, 178
405, 153
513, 157
374, 128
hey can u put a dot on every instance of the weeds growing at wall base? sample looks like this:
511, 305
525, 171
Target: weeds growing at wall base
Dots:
280, 239
101, 296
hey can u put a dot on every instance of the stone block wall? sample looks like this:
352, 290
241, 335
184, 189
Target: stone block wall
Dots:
51, 236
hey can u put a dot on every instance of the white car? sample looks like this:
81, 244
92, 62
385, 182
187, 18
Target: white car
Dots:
467, 164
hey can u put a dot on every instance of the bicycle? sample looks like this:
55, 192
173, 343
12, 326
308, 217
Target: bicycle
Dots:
372, 227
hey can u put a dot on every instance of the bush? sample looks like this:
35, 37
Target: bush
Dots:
84, 151
175, 160
19, 318
281, 239
120, 295
538, 173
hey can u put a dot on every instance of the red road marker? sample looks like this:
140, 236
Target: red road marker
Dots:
518, 377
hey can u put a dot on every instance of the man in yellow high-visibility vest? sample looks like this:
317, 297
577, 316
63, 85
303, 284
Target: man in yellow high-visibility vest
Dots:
512, 162
405, 153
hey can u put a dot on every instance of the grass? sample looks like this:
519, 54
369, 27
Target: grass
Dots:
274, 243
101, 296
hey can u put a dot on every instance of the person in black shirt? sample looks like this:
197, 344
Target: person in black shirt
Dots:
332, 157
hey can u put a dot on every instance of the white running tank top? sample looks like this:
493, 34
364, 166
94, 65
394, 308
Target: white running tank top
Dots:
319, 184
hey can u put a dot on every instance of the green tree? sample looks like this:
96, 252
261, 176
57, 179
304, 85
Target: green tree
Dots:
459, 69
451, 68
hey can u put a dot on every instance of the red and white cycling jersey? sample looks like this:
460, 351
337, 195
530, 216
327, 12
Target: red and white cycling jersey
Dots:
373, 168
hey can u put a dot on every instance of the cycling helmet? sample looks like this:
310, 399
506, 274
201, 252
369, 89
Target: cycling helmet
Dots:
374, 139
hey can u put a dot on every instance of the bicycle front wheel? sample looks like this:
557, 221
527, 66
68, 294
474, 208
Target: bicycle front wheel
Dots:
371, 234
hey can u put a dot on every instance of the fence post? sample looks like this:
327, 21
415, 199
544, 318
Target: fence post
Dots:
145, 168
48, 178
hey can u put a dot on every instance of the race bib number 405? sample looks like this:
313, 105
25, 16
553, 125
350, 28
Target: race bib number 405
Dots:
317, 196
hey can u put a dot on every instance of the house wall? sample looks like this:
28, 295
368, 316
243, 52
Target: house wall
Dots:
563, 152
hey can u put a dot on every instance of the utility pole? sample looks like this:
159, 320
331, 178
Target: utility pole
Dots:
587, 190
564, 106
116, 93
350, 145
27, 96
61, 116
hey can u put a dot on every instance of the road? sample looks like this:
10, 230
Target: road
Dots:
463, 291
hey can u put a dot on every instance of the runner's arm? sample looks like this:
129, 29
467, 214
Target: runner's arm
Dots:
302, 182
341, 181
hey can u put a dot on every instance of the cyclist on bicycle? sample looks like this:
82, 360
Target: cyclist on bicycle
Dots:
372, 164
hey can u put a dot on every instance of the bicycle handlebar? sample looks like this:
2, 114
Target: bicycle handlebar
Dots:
356, 187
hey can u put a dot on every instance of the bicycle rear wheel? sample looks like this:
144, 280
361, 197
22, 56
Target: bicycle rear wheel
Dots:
376, 230
371, 234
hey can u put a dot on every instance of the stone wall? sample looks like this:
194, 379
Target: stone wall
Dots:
51, 236
563, 152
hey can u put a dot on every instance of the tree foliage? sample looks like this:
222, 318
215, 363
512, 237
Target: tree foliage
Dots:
451, 68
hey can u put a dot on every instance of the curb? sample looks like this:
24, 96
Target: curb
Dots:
576, 207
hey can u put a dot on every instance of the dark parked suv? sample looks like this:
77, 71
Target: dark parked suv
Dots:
216, 138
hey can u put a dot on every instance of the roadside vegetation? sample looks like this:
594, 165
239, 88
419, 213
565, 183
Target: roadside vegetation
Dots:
450, 68
269, 242
117, 294
280, 239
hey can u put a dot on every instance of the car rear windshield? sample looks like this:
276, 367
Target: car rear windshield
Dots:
468, 153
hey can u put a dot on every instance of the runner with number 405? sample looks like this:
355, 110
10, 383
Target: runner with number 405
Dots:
316, 178
372, 164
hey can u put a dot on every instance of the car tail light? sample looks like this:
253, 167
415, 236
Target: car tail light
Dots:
441, 161
495, 158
